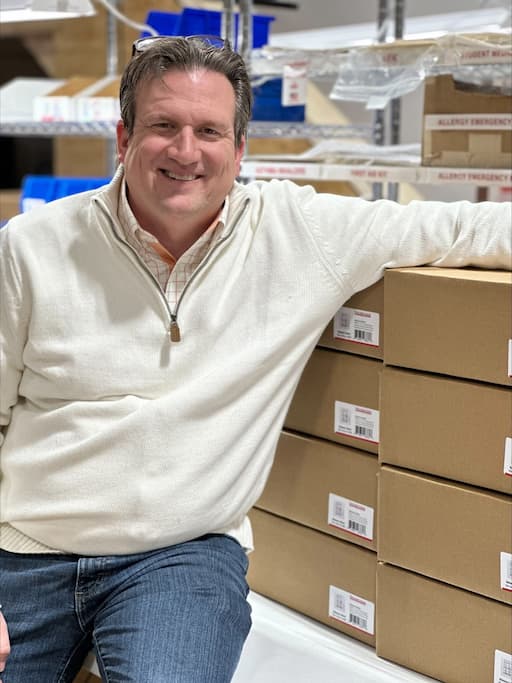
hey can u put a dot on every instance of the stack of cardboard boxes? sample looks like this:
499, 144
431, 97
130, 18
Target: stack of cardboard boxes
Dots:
424, 569
444, 579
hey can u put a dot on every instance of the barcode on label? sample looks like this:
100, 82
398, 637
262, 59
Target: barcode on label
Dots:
358, 621
363, 335
364, 431
339, 509
506, 668
355, 526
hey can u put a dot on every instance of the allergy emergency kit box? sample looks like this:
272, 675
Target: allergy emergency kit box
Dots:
318, 575
451, 321
357, 326
441, 631
337, 398
458, 534
60, 104
449, 427
100, 102
325, 486
466, 125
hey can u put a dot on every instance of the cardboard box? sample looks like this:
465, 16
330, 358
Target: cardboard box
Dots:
100, 102
60, 104
465, 126
318, 575
325, 486
452, 321
450, 634
453, 428
358, 326
455, 533
9, 204
337, 398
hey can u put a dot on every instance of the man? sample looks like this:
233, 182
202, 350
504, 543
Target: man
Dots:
152, 335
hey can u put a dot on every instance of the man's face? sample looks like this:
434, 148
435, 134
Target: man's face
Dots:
181, 159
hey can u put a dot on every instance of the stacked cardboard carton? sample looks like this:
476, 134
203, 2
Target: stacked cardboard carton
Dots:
420, 401
315, 524
444, 578
466, 125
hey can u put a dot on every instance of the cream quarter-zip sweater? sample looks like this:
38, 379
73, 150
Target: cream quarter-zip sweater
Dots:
116, 439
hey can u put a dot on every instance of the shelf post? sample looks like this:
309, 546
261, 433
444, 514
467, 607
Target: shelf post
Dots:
112, 68
396, 108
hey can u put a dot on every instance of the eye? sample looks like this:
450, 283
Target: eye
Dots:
162, 126
210, 132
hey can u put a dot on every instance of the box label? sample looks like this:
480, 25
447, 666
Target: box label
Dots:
468, 121
351, 610
293, 92
506, 571
507, 464
510, 357
350, 516
356, 421
355, 325
502, 667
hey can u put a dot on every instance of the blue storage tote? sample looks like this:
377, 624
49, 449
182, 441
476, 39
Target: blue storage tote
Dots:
37, 190
193, 21
267, 103
166, 23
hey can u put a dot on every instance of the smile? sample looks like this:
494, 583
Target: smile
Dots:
175, 176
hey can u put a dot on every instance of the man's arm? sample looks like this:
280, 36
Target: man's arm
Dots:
14, 306
5, 646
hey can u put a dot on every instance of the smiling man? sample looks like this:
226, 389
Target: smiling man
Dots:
152, 334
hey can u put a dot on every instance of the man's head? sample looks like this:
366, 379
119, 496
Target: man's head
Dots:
154, 56
185, 107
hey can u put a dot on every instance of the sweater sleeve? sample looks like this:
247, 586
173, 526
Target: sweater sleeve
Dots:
361, 238
13, 331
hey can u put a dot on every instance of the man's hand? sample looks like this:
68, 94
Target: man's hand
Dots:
5, 646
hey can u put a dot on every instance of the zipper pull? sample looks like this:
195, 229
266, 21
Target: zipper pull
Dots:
174, 331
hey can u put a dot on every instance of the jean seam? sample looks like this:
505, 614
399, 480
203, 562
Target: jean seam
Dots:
99, 660
75, 649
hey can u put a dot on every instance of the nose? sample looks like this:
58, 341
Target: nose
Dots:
184, 147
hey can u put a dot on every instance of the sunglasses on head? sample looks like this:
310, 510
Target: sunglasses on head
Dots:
142, 44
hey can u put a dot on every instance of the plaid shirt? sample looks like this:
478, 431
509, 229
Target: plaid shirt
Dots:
171, 274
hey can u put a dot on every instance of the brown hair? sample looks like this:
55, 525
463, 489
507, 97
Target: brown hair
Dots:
185, 54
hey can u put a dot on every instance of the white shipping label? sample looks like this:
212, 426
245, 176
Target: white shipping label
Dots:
507, 463
510, 357
350, 516
357, 421
352, 610
354, 325
293, 91
502, 667
506, 571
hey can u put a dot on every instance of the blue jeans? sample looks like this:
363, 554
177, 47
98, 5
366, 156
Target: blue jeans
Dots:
178, 614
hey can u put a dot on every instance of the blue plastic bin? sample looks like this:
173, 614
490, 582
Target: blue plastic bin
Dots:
166, 23
208, 22
193, 21
267, 103
37, 190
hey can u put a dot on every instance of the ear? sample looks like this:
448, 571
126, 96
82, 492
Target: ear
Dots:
122, 140
239, 153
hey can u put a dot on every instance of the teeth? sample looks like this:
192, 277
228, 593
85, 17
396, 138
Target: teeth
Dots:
173, 176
